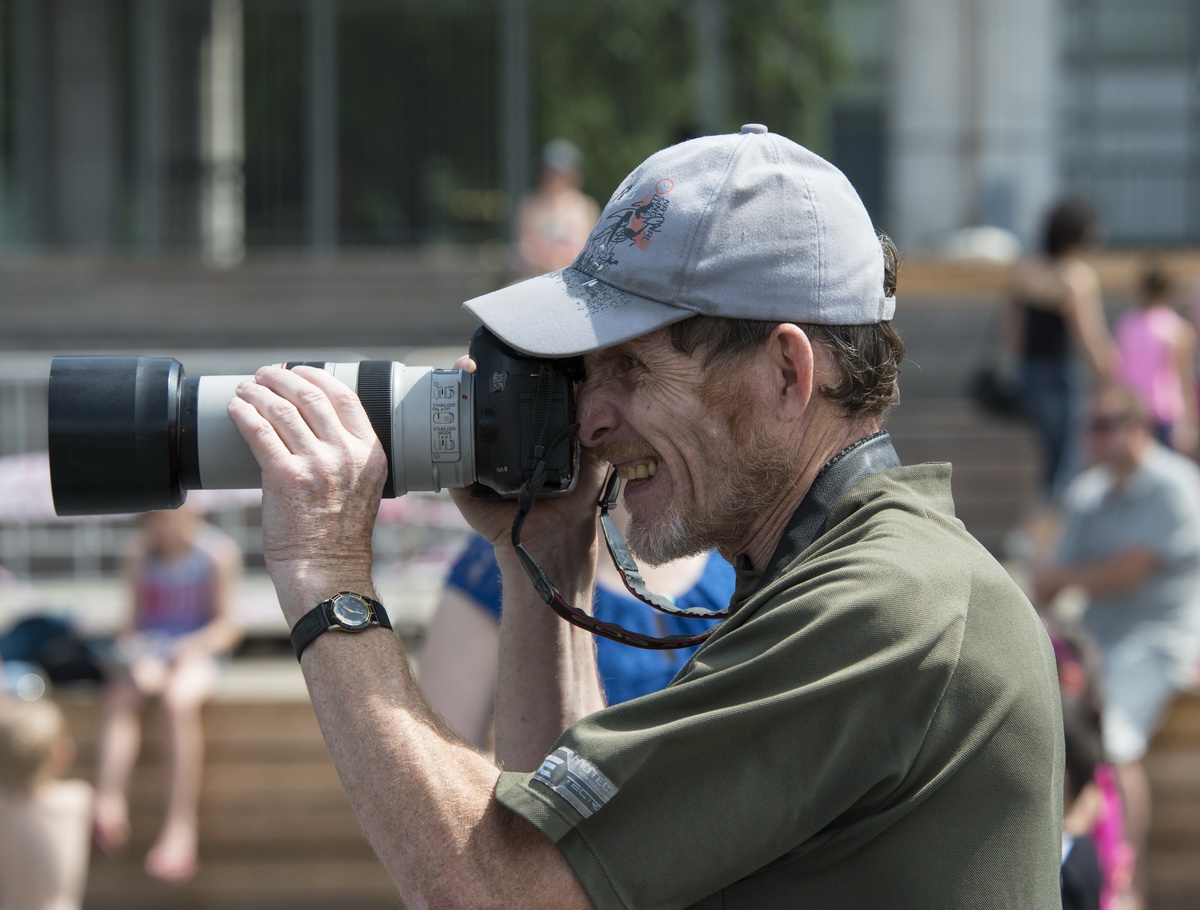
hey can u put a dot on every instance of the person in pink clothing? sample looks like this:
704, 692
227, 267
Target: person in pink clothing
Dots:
1157, 351
1103, 809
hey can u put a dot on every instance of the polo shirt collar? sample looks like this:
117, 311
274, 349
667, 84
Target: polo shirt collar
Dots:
855, 463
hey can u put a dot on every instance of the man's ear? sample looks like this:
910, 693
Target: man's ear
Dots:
793, 367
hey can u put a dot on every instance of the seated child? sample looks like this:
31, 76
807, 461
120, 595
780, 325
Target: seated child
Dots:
45, 822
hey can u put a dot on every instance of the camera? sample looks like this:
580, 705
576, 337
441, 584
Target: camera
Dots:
134, 434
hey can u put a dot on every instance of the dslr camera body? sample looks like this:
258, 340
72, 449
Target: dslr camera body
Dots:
135, 434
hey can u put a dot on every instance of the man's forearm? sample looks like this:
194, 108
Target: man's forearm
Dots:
1124, 571
424, 798
547, 678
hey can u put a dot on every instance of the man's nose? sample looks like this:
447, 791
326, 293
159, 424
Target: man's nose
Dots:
596, 414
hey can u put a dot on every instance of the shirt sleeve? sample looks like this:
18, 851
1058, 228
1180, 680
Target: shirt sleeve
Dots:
771, 736
1164, 524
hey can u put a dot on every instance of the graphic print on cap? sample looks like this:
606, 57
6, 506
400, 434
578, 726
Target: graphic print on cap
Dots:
635, 224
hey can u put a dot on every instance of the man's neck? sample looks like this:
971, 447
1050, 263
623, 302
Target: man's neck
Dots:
819, 445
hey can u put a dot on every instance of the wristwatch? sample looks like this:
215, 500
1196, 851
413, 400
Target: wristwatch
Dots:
345, 611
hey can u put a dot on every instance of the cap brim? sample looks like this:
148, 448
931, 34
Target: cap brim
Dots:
568, 312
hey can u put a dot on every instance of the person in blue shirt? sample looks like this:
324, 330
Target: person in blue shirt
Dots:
459, 659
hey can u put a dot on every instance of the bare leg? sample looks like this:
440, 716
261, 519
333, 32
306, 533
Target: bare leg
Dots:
120, 740
174, 856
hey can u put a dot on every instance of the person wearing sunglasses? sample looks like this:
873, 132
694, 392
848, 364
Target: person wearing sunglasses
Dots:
875, 723
1130, 542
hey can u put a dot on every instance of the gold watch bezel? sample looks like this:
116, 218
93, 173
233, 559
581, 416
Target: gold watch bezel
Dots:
346, 608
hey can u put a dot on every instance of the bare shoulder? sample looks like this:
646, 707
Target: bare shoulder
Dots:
223, 549
1185, 332
1037, 280
1081, 277
1020, 275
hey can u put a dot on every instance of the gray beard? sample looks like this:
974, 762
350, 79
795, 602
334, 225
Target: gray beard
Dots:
667, 541
768, 471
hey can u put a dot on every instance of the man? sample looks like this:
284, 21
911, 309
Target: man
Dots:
876, 724
1131, 543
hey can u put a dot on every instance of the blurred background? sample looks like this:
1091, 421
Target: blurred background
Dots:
227, 128
234, 182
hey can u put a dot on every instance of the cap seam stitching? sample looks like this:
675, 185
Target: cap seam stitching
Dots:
702, 221
819, 302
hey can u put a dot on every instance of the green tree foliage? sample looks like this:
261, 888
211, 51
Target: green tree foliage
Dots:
419, 132
620, 77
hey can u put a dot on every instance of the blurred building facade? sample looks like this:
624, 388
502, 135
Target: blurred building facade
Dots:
221, 126
965, 113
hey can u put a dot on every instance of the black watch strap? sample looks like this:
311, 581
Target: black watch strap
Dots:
322, 619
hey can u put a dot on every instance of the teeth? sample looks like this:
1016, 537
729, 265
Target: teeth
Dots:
642, 471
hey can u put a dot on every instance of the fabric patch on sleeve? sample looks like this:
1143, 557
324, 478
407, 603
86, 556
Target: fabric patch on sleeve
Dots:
576, 780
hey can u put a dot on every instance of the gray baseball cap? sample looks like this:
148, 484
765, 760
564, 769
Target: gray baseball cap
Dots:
747, 225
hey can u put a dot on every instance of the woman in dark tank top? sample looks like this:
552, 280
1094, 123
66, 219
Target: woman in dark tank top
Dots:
1045, 334
1059, 333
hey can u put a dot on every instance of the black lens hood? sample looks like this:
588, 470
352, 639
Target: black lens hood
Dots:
114, 434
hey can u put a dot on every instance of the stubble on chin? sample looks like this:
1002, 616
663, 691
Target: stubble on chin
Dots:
661, 541
754, 475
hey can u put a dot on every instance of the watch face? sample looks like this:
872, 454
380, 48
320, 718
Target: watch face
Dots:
351, 612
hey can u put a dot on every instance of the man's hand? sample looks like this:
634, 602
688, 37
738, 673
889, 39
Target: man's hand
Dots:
552, 522
323, 473
424, 799
551, 517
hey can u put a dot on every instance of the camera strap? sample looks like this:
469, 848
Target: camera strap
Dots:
630, 573
617, 548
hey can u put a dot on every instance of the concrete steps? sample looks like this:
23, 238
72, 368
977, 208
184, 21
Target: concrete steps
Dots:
1174, 768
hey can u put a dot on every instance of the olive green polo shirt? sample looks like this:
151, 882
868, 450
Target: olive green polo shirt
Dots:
876, 725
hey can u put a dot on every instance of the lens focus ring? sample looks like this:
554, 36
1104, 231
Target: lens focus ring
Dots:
375, 393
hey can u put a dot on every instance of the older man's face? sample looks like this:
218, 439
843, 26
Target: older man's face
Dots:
1115, 437
698, 458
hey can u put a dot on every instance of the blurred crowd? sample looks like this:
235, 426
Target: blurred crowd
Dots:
180, 575
1111, 545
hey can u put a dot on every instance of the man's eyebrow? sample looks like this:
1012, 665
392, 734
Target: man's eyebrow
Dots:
613, 353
